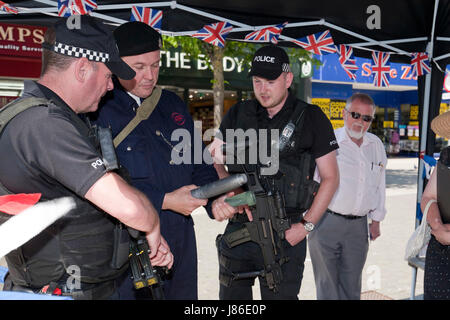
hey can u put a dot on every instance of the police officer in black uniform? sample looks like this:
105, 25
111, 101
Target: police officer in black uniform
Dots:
49, 149
312, 144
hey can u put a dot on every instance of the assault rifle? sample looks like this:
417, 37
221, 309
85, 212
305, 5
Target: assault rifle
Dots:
269, 219
143, 273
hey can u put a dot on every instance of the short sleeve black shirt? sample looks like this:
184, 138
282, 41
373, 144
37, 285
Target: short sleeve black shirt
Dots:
48, 150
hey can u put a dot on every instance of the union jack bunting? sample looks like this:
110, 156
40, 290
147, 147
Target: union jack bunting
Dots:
8, 8
318, 43
420, 64
381, 68
347, 60
266, 34
66, 8
215, 33
149, 16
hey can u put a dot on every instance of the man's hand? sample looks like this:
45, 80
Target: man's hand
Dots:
160, 254
181, 200
374, 229
222, 210
296, 233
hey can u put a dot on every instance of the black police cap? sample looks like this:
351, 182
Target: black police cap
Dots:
269, 62
134, 38
86, 36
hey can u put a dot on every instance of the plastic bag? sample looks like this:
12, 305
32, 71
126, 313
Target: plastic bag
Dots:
420, 237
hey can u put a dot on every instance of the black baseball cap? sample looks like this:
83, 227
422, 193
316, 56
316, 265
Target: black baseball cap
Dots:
135, 37
269, 62
88, 37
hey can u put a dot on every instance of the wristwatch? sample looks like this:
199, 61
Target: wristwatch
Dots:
309, 226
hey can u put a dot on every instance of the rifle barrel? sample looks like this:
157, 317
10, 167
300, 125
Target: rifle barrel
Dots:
220, 186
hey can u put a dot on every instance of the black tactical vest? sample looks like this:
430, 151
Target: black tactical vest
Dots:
296, 167
81, 240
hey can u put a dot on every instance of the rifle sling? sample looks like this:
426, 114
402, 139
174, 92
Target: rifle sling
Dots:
142, 113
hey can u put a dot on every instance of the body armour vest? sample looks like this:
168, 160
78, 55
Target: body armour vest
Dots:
296, 166
443, 185
80, 245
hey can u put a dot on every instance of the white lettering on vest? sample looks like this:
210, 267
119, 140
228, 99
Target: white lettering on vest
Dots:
97, 163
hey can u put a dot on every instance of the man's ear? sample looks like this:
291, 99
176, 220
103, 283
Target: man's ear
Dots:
81, 68
289, 79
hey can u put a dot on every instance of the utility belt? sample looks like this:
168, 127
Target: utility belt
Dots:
345, 216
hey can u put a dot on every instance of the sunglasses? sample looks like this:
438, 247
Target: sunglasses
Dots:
365, 117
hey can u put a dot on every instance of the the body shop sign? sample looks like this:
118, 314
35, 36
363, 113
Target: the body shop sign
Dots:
21, 41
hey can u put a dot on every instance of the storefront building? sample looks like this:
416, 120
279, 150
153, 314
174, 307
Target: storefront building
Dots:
396, 120
20, 58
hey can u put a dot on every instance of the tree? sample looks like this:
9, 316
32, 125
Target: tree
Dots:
244, 50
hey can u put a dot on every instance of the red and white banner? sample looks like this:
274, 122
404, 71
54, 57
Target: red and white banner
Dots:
20, 40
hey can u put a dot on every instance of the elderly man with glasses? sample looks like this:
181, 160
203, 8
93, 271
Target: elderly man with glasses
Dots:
339, 245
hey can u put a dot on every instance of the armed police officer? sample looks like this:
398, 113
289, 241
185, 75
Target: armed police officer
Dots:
309, 141
147, 153
49, 149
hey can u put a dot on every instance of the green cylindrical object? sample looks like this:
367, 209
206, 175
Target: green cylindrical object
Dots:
241, 199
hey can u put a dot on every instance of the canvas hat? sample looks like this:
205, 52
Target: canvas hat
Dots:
441, 125
134, 38
269, 62
91, 39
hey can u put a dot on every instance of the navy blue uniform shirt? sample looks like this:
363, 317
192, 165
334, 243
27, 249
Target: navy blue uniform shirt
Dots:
146, 151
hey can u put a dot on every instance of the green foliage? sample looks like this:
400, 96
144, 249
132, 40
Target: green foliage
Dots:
243, 50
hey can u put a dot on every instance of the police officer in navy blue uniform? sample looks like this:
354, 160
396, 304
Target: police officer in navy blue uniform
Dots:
274, 108
48, 149
150, 156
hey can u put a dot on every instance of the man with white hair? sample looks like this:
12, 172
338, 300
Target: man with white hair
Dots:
339, 245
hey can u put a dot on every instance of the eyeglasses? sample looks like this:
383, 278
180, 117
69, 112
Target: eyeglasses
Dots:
365, 117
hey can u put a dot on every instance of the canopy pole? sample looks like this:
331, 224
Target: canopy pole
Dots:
364, 44
442, 57
426, 107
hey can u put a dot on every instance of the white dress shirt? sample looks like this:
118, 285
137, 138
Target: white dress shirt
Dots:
136, 98
362, 172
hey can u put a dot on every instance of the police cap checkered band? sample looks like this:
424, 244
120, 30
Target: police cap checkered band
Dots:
88, 37
285, 67
80, 52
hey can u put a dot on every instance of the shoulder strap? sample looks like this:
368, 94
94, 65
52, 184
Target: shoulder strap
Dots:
297, 115
294, 125
12, 109
143, 112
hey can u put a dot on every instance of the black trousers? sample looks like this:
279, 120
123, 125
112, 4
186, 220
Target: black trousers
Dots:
247, 257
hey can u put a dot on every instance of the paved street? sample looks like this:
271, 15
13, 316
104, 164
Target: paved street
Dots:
385, 271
